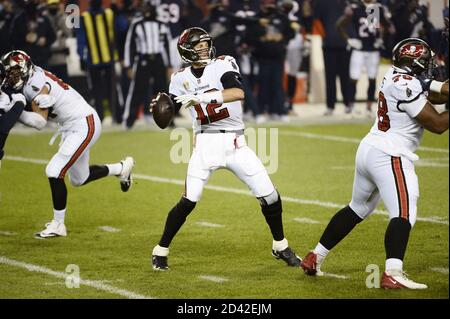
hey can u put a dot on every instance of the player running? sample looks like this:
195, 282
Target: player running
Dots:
211, 89
52, 99
385, 160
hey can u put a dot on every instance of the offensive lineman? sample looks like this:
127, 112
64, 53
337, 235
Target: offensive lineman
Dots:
211, 89
367, 18
79, 125
385, 160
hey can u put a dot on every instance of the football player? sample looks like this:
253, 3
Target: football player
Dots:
10, 112
211, 88
368, 18
385, 160
52, 99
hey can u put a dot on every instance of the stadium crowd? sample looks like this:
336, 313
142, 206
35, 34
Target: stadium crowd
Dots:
125, 65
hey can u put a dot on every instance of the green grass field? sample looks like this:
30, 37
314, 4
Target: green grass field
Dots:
316, 169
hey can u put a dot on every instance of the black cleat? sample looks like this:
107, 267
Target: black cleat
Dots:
160, 263
289, 256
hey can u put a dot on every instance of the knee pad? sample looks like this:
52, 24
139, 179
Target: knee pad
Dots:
271, 204
51, 171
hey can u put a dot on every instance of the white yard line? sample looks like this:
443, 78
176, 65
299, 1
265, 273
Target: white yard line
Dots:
208, 224
109, 229
441, 270
156, 179
91, 283
306, 220
213, 278
352, 140
327, 274
7, 233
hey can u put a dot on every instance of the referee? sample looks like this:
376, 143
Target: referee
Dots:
147, 57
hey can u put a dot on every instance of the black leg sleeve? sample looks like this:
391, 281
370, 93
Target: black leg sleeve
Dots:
176, 218
396, 238
273, 215
59, 193
96, 172
339, 226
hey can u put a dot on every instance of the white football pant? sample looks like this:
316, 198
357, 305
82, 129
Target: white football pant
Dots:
391, 179
73, 152
369, 60
213, 151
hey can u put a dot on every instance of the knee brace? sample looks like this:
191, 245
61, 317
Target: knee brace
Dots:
271, 204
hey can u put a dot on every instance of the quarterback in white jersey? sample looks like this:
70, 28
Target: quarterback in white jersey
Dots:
211, 89
52, 99
385, 160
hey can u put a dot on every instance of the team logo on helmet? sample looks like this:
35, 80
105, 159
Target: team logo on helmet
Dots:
413, 51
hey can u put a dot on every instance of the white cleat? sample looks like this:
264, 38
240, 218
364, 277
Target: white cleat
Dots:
397, 279
53, 229
125, 177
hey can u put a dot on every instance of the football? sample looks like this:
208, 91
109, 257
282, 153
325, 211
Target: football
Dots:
163, 110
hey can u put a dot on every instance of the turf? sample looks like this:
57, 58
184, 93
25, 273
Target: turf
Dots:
309, 169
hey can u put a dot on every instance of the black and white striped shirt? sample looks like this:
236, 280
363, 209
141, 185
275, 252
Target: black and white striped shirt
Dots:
146, 37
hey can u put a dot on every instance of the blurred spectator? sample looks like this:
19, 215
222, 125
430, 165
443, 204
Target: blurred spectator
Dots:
335, 53
57, 63
124, 12
246, 9
365, 43
221, 25
6, 17
33, 33
98, 52
410, 20
174, 14
191, 14
269, 40
294, 49
147, 42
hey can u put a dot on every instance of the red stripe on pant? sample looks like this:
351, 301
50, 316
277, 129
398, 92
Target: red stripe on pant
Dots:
402, 189
79, 151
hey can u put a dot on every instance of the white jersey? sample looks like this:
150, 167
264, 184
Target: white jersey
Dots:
226, 116
396, 131
70, 106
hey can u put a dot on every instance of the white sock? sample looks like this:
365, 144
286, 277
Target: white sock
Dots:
280, 245
160, 251
394, 264
114, 169
59, 215
320, 250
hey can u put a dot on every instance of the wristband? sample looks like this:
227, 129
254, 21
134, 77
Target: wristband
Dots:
213, 97
436, 86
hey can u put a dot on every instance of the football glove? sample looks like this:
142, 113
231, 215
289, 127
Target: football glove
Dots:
45, 101
188, 100
378, 44
354, 43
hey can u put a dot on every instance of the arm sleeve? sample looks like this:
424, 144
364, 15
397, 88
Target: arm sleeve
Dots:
231, 80
10, 118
